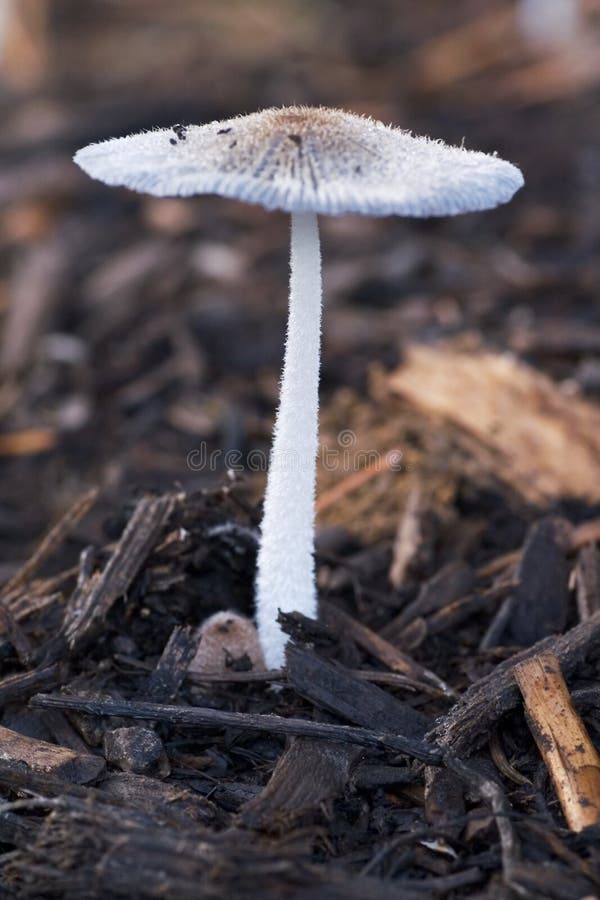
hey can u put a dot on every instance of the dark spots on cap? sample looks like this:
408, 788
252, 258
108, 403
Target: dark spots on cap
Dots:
172, 141
223, 130
241, 664
579, 748
232, 145
358, 170
296, 139
180, 132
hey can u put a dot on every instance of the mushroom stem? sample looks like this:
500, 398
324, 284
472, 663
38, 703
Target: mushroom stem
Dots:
285, 568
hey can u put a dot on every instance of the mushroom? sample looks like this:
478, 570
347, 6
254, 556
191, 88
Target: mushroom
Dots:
225, 637
305, 161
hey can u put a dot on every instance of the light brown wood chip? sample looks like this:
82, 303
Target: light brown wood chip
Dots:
544, 443
562, 739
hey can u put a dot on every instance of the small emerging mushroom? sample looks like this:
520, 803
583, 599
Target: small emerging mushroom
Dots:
225, 639
305, 161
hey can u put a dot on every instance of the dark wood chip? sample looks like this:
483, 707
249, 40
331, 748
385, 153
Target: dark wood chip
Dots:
333, 688
171, 669
587, 573
542, 594
455, 580
25, 684
308, 773
93, 599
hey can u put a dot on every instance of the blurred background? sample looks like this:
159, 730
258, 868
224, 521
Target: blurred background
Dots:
134, 331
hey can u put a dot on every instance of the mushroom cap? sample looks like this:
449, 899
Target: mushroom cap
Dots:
226, 635
306, 159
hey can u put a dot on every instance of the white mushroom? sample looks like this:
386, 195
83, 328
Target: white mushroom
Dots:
306, 161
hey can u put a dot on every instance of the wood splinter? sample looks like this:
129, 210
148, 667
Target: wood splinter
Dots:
562, 739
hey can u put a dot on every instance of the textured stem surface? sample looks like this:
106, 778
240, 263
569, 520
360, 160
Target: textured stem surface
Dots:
286, 572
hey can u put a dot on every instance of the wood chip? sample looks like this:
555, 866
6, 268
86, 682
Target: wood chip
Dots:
444, 800
24, 684
333, 688
41, 758
464, 50
307, 773
172, 803
171, 669
24, 58
545, 444
140, 536
33, 291
408, 537
587, 576
27, 442
17, 637
542, 594
562, 739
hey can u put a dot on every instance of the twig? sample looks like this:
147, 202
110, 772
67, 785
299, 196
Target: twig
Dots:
382, 650
492, 793
192, 716
408, 537
357, 479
